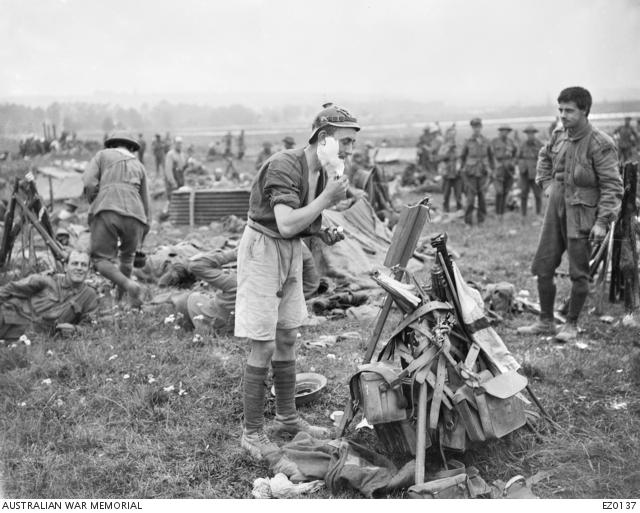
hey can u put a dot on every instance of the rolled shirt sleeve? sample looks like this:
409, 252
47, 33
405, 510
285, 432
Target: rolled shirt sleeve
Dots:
282, 187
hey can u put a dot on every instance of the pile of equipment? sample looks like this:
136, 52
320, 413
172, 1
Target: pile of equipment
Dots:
443, 375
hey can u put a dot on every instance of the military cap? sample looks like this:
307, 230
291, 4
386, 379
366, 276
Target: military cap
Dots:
289, 140
475, 122
505, 128
530, 128
332, 115
121, 137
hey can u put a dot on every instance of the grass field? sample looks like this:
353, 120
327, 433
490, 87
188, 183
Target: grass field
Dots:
139, 408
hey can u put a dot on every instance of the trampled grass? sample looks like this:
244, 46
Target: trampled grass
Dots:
112, 426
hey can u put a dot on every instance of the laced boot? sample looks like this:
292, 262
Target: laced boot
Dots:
567, 333
258, 445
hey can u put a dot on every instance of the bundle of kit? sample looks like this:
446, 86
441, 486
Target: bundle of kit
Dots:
443, 376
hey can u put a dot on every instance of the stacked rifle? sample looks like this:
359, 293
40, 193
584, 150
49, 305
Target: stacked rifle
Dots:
443, 375
614, 262
31, 214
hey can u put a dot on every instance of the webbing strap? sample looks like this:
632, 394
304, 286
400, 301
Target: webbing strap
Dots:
483, 410
438, 393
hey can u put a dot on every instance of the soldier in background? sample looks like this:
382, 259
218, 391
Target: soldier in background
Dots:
175, 164
477, 163
449, 170
241, 145
289, 143
264, 154
627, 140
505, 151
143, 147
434, 147
157, 147
369, 155
424, 155
527, 160
228, 138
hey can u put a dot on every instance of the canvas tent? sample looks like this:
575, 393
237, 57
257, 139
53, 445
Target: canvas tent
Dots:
366, 243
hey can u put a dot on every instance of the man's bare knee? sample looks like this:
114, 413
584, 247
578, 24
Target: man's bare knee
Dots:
261, 352
286, 337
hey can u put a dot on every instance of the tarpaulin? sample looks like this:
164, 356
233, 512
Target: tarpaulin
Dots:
366, 243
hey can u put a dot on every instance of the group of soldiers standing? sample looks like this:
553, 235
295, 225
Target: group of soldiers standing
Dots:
500, 161
479, 162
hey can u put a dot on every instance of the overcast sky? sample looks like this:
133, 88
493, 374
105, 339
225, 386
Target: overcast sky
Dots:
452, 50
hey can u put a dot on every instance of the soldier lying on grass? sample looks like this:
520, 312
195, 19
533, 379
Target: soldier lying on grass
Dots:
202, 309
57, 302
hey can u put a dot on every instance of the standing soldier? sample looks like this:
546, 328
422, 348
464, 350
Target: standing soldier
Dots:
241, 145
627, 140
143, 147
477, 164
174, 165
434, 146
369, 154
227, 145
505, 151
423, 145
115, 185
288, 196
167, 143
578, 171
449, 170
157, 146
527, 160
264, 154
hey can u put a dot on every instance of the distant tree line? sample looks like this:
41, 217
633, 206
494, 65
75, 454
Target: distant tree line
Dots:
79, 116
76, 116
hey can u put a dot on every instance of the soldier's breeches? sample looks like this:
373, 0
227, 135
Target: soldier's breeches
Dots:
455, 185
474, 186
529, 184
551, 246
502, 187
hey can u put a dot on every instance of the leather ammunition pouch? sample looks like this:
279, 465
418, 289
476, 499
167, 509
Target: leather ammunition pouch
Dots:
371, 389
492, 409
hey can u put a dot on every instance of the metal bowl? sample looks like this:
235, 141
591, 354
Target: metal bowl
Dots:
309, 386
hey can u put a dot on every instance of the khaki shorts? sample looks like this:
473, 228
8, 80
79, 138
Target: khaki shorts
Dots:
270, 292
